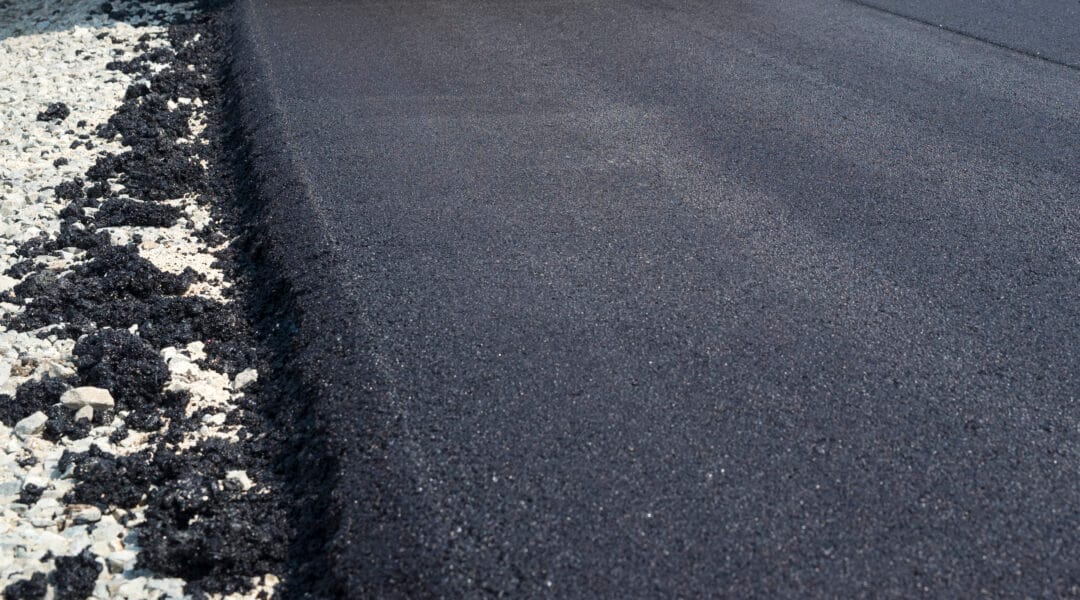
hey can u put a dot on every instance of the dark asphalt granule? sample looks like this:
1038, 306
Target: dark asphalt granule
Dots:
123, 363
70, 190
104, 479
20, 269
27, 589
30, 494
117, 288
118, 435
137, 90
75, 575
123, 211
30, 397
227, 356
57, 111
62, 423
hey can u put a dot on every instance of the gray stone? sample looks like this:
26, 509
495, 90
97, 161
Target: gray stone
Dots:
76, 533
86, 412
172, 588
95, 397
245, 378
84, 513
32, 425
10, 488
118, 561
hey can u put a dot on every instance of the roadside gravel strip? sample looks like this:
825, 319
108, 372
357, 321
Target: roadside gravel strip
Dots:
135, 460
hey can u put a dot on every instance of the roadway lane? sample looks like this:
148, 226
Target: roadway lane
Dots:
659, 298
1046, 28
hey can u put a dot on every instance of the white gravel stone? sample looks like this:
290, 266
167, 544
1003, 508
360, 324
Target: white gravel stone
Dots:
32, 425
84, 513
120, 561
245, 378
94, 397
86, 412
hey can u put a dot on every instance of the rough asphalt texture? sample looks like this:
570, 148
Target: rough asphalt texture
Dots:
607, 299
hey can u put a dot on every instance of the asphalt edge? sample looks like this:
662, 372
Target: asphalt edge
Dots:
272, 200
351, 534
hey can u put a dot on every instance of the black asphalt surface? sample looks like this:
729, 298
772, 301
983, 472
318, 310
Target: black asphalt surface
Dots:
1044, 28
655, 299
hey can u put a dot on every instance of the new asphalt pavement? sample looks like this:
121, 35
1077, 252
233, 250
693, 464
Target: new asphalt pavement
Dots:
608, 299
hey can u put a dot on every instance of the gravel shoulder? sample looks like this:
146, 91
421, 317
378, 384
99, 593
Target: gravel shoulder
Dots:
139, 454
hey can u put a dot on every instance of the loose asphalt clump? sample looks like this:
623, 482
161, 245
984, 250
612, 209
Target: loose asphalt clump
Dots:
70, 190
123, 363
198, 528
27, 589
123, 211
228, 356
21, 269
31, 397
57, 111
75, 575
154, 169
30, 494
117, 288
107, 480
62, 423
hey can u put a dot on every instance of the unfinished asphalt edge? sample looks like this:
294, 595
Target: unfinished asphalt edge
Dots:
319, 375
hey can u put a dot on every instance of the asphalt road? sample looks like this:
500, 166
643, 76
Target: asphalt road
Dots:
676, 298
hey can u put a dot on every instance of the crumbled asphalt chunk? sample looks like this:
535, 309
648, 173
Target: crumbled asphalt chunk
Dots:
30, 494
21, 269
156, 169
27, 589
105, 479
199, 527
228, 356
75, 575
30, 397
101, 189
62, 423
136, 91
57, 111
123, 211
118, 435
143, 421
116, 288
123, 363
70, 190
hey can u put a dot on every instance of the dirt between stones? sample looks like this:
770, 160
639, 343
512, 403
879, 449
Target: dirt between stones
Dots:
200, 525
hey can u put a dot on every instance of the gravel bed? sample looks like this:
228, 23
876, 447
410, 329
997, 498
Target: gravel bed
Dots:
134, 461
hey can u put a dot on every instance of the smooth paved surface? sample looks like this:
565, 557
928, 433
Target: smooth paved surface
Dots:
677, 298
